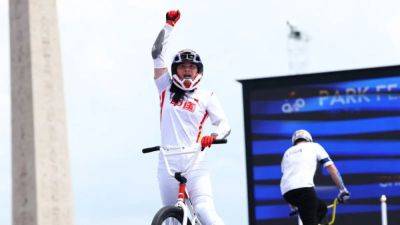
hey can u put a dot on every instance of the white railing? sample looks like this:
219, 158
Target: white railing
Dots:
384, 210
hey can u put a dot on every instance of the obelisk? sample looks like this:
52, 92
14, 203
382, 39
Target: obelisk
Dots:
41, 183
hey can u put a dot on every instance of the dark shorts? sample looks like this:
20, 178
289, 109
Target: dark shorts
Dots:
311, 209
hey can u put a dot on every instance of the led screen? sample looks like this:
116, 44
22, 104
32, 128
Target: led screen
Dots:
354, 115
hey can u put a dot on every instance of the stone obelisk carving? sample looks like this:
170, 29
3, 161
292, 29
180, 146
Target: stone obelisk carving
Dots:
41, 185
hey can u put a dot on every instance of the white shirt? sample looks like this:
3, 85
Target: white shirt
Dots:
299, 164
182, 123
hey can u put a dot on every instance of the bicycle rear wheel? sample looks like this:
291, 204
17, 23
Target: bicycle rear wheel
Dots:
169, 215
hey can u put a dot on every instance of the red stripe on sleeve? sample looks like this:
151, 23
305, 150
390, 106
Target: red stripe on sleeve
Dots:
162, 98
201, 126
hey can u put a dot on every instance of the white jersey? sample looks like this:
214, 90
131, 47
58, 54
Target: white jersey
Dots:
182, 122
299, 164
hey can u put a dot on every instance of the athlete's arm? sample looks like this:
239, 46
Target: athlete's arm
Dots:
326, 161
218, 118
344, 194
159, 48
335, 175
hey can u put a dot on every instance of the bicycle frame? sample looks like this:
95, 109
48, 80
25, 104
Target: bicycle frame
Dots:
183, 197
331, 206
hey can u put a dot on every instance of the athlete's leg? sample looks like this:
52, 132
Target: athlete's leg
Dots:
168, 185
308, 212
322, 210
200, 192
168, 189
306, 202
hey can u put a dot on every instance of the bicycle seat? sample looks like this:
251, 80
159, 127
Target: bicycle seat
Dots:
180, 178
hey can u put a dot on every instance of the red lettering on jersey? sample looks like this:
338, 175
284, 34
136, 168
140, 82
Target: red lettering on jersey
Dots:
186, 105
190, 106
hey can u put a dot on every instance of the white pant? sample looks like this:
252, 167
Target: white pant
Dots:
198, 186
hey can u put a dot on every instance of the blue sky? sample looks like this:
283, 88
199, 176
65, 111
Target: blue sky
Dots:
112, 102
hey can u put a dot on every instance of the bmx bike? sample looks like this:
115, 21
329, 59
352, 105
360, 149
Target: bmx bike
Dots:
183, 211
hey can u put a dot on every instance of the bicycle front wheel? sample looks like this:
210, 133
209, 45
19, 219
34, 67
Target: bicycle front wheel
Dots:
169, 215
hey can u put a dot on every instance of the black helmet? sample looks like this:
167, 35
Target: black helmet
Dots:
187, 55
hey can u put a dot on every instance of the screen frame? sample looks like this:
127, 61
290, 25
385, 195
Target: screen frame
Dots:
250, 85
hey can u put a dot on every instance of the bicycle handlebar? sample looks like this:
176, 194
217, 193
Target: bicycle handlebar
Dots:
151, 149
157, 148
220, 141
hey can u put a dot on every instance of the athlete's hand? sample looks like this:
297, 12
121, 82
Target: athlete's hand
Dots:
343, 196
172, 17
207, 141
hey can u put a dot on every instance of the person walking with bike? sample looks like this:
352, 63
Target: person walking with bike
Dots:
298, 166
184, 107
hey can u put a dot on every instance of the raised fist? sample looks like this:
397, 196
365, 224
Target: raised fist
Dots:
172, 17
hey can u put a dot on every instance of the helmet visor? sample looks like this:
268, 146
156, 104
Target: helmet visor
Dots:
187, 56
